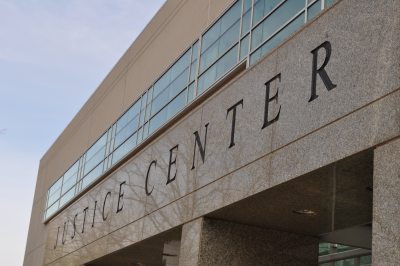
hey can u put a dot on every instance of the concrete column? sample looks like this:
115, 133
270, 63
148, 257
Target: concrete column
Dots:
226, 243
386, 206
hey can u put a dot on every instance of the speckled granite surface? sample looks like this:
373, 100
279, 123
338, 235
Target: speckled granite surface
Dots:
226, 243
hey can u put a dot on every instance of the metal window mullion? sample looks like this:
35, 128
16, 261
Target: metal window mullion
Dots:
251, 32
197, 66
323, 4
240, 30
306, 12
219, 57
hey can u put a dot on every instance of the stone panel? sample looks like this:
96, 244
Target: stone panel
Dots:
190, 243
386, 210
182, 140
238, 185
125, 236
364, 37
251, 141
227, 243
361, 130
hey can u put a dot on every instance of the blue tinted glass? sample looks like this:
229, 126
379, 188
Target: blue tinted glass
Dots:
230, 17
120, 137
132, 126
160, 101
141, 120
328, 2
227, 61
209, 56
314, 9
52, 209
211, 36
195, 51
229, 38
191, 92
69, 195
180, 65
246, 23
162, 83
68, 183
95, 148
140, 135
247, 5
55, 187
158, 120
244, 47
147, 112
276, 20
121, 123
134, 110
118, 153
71, 171
256, 36
178, 84
145, 130
207, 79
55, 196
193, 69
258, 12
284, 33
130, 143
176, 104
271, 4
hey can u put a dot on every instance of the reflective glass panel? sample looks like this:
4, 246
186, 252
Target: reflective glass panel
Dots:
244, 47
178, 84
246, 22
247, 5
118, 153
289, 29
328, 2
191, 92
92, 175
145, 130
195, 51
176, 104
52, 210
160, 101
158, 120
96, 147
140, 135
130, 143
276, 20
55, 196
67, 196
55, 187
193, 69
69, 183
263, 7
314, 9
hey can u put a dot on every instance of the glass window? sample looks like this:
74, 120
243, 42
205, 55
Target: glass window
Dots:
56, 186
218, 69
68, 183
366, 260
94, 161
247, 5
140, 135
178, 84
55, 196
96, 147
193, 67
328, 2
263, 7
145, 130
314, 9
284, 33
92, 175
244, 47
222, 35
52, 209
176, 104
246, 22
67, 196
158, 120
276, 20
191, 92
130, 143
118, 153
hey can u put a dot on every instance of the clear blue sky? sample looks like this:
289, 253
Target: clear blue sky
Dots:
53, 55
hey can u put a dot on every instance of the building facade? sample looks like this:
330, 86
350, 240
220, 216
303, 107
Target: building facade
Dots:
245, 132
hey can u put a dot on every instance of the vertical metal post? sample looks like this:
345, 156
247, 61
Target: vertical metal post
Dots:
250, 34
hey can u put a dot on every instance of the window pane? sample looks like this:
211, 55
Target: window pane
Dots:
193, 69
244, 46
71, 171
195, 51
366, 260
94, 161
142, 112
96, 147
230, 17
229, 38
263, 7
160, 101
130, 143
118, 153
207, 79
209, 56
145, 130
52, 210
276, 20
162, 83
55, 187
121, 123
158, 120
180, 65
69, 195
132, 126
147, 112
227, 61
69, 183
247, 5
246, 23
120, 137
178, 84
284, 33
140, 135
177, 104
314, 9
328, 2
92, 175
134, 110
211, 36
191, 92
55, 196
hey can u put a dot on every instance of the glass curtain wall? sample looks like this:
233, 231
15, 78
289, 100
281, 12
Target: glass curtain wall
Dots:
246, 31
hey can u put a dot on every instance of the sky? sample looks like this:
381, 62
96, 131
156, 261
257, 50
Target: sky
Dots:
53, 56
